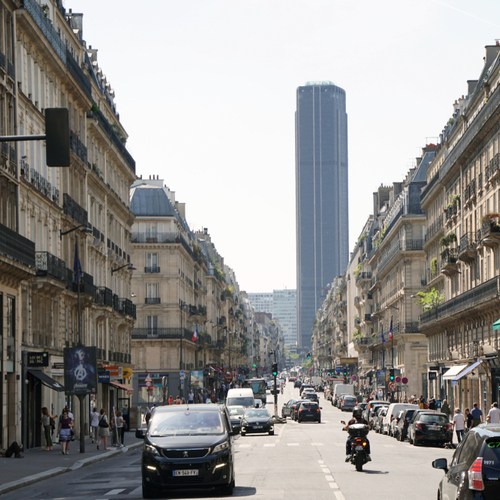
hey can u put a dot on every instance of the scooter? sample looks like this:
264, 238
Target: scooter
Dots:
359, 445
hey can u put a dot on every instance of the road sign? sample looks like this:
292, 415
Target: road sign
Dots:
182, 374
148, 383
404, 380
148, 379
392, 386
354, 378
398, 380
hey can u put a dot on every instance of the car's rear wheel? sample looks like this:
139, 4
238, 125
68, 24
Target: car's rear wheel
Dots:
319, 420
147, 491
271, 433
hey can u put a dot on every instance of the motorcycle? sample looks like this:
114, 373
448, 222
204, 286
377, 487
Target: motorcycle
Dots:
359, 445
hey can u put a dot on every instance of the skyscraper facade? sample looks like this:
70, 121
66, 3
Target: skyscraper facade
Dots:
322, 220
282, 304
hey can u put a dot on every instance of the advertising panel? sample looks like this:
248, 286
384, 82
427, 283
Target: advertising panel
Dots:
80, 370
197, 379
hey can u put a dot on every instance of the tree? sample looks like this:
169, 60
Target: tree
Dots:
429, 299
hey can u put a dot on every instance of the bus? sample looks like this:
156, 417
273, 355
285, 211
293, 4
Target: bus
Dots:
258, 386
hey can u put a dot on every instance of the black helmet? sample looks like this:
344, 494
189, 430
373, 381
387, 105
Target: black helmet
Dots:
356, 413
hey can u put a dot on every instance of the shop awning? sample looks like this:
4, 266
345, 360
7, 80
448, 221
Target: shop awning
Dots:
496, 325
122, 386
453, 372
465, 372
46, 380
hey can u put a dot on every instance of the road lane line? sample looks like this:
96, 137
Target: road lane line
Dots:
333, 486
339, 495
269, 445
293, 444
321, 461
115, 492
317, 444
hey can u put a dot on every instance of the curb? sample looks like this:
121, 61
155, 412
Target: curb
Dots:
35, 478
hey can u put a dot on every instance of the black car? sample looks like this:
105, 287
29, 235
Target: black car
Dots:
257, 420
309, 410
474, 471
187, 447
295, 408
430, 426
286, 410
401, 432
297, 383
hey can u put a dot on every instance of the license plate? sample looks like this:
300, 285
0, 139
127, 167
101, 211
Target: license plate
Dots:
359, 448
189, 472
258, 426
434, 427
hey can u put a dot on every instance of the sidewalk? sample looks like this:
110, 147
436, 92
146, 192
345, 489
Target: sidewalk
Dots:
39, 464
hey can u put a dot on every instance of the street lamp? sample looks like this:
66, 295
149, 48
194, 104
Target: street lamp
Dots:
129, 267
81, 397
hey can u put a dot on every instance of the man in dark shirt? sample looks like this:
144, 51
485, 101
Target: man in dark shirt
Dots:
477, 415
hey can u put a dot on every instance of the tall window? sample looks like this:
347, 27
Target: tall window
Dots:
152, 263
151, 231
152, 325
152, 295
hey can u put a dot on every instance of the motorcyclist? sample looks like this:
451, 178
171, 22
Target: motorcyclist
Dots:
356, 419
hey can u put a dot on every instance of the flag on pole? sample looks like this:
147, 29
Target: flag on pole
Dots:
383, 338
390, 331
77, 267
195, 335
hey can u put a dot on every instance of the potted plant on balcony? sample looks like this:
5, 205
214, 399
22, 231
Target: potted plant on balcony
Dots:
429, 299
434, 265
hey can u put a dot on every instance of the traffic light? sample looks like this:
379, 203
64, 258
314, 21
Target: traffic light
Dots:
275, 369
391, 374
345, 370
254, 365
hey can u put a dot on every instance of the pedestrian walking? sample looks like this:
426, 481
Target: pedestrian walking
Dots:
94, 424
445, 408
459, 424
120, 428
493, 415
148, 416
477, 415
104, 429
191, 397
468, 418
47, 428
65, 431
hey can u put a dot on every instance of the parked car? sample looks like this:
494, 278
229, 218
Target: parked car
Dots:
297, 383
430, 427
303, 387
474, 471
347, 403
401, 431
373, 412
394, 424
235, 415
378, 417
367, 412
187, 447
286, 410
393, 410
257, 420
309, 410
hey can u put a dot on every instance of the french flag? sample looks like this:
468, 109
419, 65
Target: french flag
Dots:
390, 330
195, 335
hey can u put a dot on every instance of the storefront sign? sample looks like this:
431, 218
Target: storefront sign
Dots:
103, 376
37, 359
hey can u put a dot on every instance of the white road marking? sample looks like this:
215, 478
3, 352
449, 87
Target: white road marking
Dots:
339, 495
269, 445
137, 491
325, 471
321, 461
115, 492
333, 486
293, 444
317, 444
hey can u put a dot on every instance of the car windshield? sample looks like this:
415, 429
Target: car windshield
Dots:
349, 398
309, 406
257, 413
236, 411
433, 419
185, 423
240, 401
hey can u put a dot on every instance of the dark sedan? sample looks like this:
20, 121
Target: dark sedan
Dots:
430, 427
309, 411
401, 432
295, 407
286, 410
311, 396
257, 420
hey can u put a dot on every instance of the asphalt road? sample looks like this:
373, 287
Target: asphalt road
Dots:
300, 461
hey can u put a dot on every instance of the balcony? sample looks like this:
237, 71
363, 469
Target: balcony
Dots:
463, 302
77, 146
490, 234
367, 318
467, 249
451, 213
152, 300
357, 301
449, 262
363, 276
104, 297
86, 285
161, 333
434, 228
470, 193
50, 266
17, 247
74, 210
154, 269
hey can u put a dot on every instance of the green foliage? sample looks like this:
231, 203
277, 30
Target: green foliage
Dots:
228, 291
307, 364
431, 298
119, 133
445, 241
382, 234
434, 265
357, 271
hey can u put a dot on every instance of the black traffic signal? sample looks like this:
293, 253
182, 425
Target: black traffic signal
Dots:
57, 137
275, 369
391, 374
345, 370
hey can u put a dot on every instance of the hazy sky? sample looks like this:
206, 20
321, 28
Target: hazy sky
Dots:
206, 91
